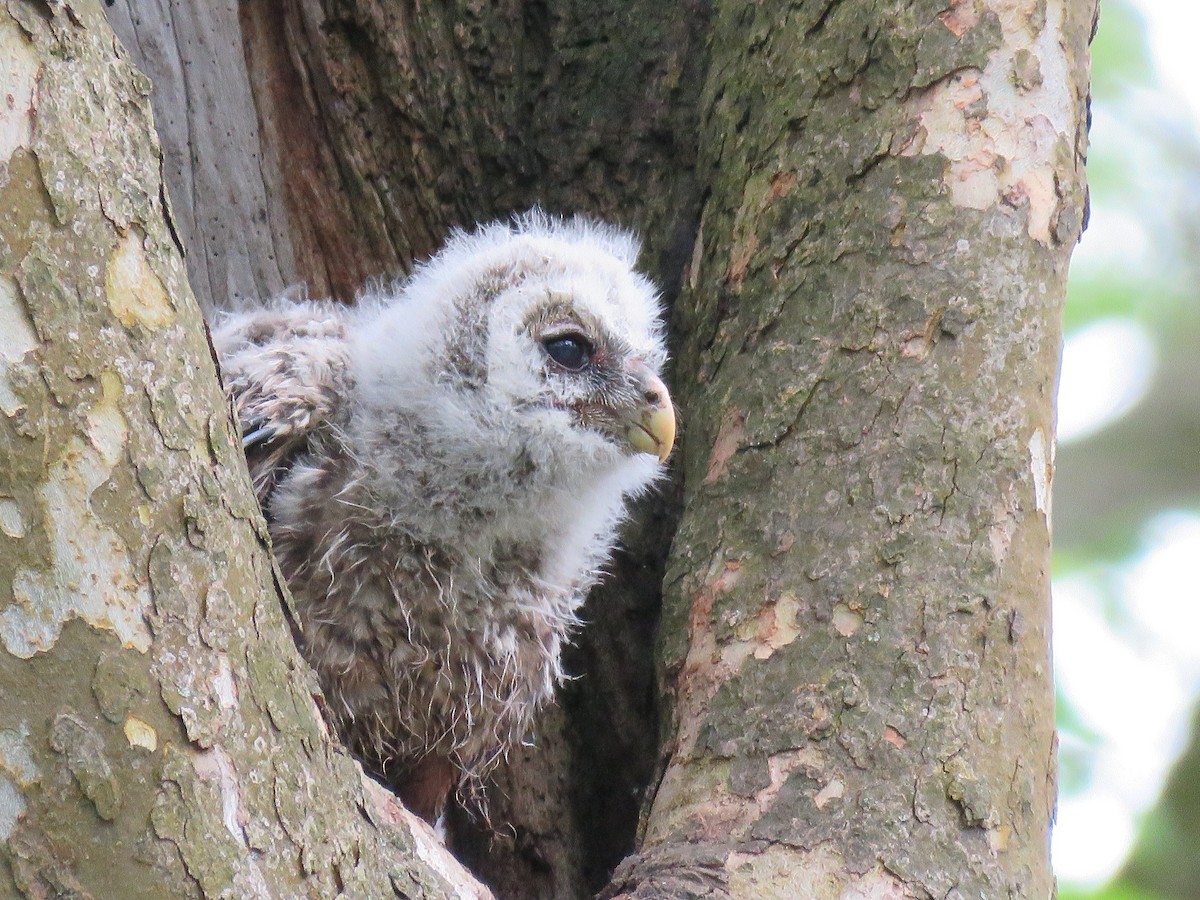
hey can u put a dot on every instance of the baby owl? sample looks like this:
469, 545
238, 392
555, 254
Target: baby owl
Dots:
443, 469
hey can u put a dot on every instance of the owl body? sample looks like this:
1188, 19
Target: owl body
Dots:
443, 469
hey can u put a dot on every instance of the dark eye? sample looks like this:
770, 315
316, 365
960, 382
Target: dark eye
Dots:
571, 351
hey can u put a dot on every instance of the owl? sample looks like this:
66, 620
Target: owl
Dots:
443, 468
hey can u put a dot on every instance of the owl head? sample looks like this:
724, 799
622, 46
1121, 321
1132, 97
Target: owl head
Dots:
534, 337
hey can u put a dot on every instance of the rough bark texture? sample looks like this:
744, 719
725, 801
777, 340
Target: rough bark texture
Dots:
854, 643
325, 143
158, 733
856, 622
377, 126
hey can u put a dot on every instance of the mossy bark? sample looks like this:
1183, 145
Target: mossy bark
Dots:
863, 213
158, 731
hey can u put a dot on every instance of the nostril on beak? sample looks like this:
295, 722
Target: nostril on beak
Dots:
653, 397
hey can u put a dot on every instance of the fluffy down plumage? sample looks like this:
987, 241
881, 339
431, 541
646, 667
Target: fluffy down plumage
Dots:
443, 469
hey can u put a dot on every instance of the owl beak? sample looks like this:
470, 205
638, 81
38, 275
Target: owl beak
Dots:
652, 429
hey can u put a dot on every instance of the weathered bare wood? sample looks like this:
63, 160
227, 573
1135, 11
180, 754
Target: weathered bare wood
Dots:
225, 195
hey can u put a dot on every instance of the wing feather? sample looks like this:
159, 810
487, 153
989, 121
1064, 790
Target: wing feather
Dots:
285, 368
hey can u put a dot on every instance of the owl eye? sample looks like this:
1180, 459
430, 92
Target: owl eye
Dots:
571, 351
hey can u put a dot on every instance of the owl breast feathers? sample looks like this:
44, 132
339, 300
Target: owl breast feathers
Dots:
443, 469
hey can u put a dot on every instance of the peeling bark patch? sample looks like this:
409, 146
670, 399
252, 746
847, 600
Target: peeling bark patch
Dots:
782, 184
746, 240
195, 685
701, 669
15, 759
960, 18
846, 621
201, 832
999, 837
1027, 72
83, 751
19, 339
11, 522
91, 576
692, 273
832, 791
1042, 470
12, 807
140, 734
894, 737
819, 874
135, 294
1001, 128
728, 440
18, 75
779, 767
224, 687
215, 766
17, 771
718, 799
775, 626
712, 661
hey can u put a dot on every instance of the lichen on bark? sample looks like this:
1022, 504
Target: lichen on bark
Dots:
160, 731
869, 370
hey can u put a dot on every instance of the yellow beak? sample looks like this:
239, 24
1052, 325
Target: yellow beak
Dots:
653, 428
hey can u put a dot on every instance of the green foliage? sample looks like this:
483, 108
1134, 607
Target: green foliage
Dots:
1120, 54
1116, 891
1141, 171
1099, 295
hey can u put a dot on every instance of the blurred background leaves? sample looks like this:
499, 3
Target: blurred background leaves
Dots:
1127, 486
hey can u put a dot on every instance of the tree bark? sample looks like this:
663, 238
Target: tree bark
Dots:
856, 627
865, 210
159, 732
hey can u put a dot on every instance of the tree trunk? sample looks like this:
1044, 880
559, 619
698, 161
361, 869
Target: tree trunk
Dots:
160, 736
865, 211
856, 622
